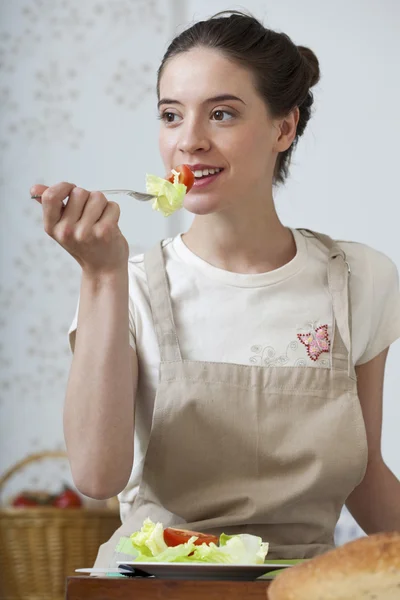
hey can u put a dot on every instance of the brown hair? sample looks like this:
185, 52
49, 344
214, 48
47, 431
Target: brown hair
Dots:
284, 72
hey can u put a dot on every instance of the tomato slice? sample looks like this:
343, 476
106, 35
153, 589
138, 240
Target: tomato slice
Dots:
174, 537
185, 176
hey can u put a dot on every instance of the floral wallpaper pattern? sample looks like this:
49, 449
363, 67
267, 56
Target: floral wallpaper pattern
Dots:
58, 59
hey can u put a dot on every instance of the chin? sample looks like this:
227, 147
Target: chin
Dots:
201, 205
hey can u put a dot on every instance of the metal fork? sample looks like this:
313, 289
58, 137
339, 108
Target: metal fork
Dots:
138, 195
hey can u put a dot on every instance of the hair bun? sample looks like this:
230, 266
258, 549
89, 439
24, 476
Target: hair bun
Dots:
312, 63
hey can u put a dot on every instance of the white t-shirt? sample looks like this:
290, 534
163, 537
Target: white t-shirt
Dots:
222, 316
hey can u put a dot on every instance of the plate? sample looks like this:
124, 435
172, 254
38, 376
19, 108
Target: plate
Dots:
208, 571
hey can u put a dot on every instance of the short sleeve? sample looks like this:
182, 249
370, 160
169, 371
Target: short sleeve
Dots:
384, 305
132, 326
72, 329
132, 329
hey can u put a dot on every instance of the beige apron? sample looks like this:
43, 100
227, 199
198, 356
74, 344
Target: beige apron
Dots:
272, 451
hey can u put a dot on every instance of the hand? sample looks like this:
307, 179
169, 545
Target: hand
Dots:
86, 227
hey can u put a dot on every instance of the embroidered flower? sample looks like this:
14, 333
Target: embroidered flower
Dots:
316, 342
268, 356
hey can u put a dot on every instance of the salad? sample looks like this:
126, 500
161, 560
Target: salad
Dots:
153, 543
170, 192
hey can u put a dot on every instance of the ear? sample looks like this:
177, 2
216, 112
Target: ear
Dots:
286, 130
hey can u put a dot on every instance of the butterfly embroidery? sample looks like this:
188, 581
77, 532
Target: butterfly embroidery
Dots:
316, 342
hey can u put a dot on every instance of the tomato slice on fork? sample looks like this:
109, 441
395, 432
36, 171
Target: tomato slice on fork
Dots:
186, 176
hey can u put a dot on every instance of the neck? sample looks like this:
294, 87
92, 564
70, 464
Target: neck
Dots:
250, 241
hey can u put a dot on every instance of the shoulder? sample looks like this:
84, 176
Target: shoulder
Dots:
374, 295
373, 273
139, 296
365, 262
138, 283
136, 262
365, 258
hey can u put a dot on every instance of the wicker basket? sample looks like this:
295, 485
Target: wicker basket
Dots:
40, 547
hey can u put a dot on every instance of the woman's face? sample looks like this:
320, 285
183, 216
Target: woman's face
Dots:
213, 118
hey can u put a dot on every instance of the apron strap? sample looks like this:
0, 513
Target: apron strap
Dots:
338, 283
160, 303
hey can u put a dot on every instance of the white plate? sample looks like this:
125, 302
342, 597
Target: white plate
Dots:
206, 571
100, 570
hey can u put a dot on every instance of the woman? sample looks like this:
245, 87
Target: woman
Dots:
251, 357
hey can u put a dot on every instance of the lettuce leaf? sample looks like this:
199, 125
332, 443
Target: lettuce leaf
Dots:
178, 553
149, 541
246, 548
168, 196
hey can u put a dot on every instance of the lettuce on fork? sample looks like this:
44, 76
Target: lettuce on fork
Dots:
168, 196
149, 545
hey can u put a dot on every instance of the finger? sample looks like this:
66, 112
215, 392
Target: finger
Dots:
106, 225
75, 205
94, 208
52, 203
37, 190
92, 212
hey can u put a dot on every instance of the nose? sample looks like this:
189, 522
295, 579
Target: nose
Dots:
193, 138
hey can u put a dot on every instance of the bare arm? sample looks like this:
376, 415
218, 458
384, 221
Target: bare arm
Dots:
99, 404
375, 503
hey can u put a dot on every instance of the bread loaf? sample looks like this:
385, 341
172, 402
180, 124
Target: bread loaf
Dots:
365, 569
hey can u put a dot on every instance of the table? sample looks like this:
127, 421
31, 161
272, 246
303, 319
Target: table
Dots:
109, 588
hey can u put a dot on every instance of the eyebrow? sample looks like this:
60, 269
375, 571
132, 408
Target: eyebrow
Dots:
220, 98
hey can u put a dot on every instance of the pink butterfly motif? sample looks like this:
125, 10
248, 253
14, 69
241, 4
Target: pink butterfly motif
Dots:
316, 342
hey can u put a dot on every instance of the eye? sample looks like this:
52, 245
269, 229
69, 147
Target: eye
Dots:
222, 115
169, 117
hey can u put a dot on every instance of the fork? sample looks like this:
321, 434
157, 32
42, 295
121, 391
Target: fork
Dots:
138, 195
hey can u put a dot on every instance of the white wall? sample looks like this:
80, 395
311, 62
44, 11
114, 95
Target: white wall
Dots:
77, 103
